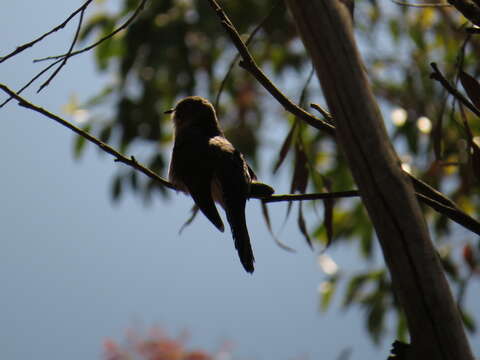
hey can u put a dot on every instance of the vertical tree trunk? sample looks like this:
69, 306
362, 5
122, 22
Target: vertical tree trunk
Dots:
434, 322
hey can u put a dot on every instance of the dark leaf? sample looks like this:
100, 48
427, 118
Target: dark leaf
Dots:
472, 87
285, 147
303, 226
266, 217
194, 212
328, 205
117, 188
469, 322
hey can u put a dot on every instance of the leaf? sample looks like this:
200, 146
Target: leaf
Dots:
300, 175
285, 147
194, 212
473, 149
353, 288
472, 87
266, 217
327, 289
475, 158
468, 321
303, 226
328, 205
80, 142
117, 188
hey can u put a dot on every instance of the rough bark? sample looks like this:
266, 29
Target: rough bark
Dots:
434, 322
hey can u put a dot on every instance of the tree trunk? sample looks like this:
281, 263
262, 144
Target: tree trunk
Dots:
434, 322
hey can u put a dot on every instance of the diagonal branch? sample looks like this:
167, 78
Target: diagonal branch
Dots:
65, 59
130, 161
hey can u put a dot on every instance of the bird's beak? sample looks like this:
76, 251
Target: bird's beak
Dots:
169, 111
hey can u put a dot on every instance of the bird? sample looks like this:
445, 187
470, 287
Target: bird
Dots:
205, 165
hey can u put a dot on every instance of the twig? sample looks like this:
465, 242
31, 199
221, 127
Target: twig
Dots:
319, 196
237, 56
437, 75
248, 63
23, 47
98, 42
65, 59
118, 156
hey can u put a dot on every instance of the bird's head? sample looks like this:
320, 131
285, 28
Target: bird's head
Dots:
196, 112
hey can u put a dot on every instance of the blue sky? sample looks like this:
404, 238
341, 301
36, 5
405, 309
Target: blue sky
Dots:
76, 269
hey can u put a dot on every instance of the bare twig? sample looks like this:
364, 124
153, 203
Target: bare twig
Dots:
65, 59
137, 11
23, 47
319, 196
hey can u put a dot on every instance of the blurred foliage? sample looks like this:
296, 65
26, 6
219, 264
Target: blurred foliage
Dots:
156, 345
178, 48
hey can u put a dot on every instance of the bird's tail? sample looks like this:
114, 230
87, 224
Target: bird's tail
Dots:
238, 225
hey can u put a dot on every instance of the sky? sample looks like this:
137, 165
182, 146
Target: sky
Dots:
76, 269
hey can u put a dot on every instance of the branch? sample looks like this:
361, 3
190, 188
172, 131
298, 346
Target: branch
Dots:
137, 11
65, 59
249, 64
23, 47
435, 198
118, 156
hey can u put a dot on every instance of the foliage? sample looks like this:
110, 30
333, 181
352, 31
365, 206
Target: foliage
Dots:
178, 48
156, 345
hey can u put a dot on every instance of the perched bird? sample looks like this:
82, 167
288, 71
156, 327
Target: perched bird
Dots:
205, 165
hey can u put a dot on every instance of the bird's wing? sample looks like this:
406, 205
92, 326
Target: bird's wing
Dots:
232, 173
193, 170
200, 191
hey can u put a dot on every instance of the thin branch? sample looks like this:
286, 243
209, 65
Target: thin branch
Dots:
249, 64
405, 3
319, 196
130, 161
137, 11
437, 75
65, 59
237, 56
23, 47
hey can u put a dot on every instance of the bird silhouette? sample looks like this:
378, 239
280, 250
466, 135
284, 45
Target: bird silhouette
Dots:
207, 166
